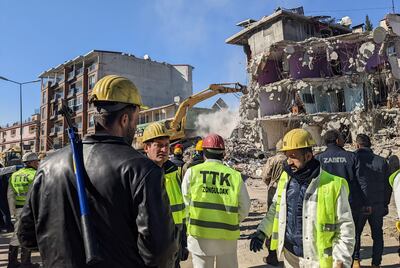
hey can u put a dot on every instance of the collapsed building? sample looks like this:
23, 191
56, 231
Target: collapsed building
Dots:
310, 72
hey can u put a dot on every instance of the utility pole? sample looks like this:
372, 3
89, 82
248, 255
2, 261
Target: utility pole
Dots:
393, 7
21, 143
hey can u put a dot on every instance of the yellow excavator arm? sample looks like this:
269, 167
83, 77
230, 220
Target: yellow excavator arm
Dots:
212, 90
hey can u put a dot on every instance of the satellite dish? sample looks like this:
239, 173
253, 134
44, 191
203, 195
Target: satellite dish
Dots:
379, 35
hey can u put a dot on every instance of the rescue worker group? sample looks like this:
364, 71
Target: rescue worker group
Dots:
152, 210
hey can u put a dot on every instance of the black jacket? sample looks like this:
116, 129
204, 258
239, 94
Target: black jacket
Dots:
128, 206
177, 160
373, 176
342, 163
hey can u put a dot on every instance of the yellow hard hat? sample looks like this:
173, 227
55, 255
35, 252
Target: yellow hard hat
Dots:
296, 139
153, 131
199, 146
116, 89
178, 151
398, 226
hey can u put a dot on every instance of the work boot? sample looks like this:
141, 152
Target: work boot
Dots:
26, 259
13, 257
272, 258
356, 264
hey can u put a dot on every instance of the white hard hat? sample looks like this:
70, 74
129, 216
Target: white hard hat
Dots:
31, 156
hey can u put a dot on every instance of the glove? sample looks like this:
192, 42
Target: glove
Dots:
257, 241
398, 226
183, 254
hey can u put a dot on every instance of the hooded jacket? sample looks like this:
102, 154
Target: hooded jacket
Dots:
129, 209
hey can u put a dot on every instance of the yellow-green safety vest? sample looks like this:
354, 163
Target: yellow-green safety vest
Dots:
20, 182
393, 176
214, 201
173, 189
327, 195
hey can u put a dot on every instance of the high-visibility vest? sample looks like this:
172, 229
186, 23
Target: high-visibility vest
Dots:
20, 182
328, 192
393, 176
173, 189
214, 201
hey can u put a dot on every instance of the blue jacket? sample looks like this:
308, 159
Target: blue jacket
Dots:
295, 193
345, 164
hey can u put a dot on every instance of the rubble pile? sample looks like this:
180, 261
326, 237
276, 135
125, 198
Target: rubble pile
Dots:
245, 156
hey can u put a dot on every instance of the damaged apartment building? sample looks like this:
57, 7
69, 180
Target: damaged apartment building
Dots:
310, 72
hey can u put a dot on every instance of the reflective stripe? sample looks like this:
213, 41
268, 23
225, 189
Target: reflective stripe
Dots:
328, 251
329, 227
216, 225
221, 207
275, 236
177, 207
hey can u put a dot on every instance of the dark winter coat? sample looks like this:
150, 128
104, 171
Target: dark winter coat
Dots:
129, 208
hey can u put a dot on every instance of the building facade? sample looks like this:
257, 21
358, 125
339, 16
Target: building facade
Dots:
10, 135
73, 81
325, 76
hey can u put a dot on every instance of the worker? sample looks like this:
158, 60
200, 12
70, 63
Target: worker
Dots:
271, 173
20, 183
337, 161
309, 221
373, 177
128, 205
177, 157
156, 147
197, 157
217, 201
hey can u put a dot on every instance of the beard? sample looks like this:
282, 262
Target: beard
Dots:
130, 134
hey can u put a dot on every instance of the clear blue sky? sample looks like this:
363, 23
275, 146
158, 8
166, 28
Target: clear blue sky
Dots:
37, 35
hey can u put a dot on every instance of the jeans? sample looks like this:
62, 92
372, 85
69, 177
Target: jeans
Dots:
375, 220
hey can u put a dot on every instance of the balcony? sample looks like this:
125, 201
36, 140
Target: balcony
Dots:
92, 68
70, 75
79, 71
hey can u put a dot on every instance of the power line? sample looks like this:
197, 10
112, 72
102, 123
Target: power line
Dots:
347, 10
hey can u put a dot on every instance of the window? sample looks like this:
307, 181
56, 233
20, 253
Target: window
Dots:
43, 113
13, 132
42, 129
78, 123
78, 104
44, 99
308, 98
91, 81
158, 116
71, 104
91, 120
32, 129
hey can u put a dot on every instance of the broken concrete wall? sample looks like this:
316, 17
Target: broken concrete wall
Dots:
347, 79
260, 41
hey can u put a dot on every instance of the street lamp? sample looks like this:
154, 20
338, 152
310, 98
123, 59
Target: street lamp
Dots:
20, 104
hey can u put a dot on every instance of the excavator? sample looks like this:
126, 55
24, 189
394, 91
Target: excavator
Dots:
176, 126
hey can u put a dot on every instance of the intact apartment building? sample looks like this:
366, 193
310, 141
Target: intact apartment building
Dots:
73, 81
10, 135
310, 72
